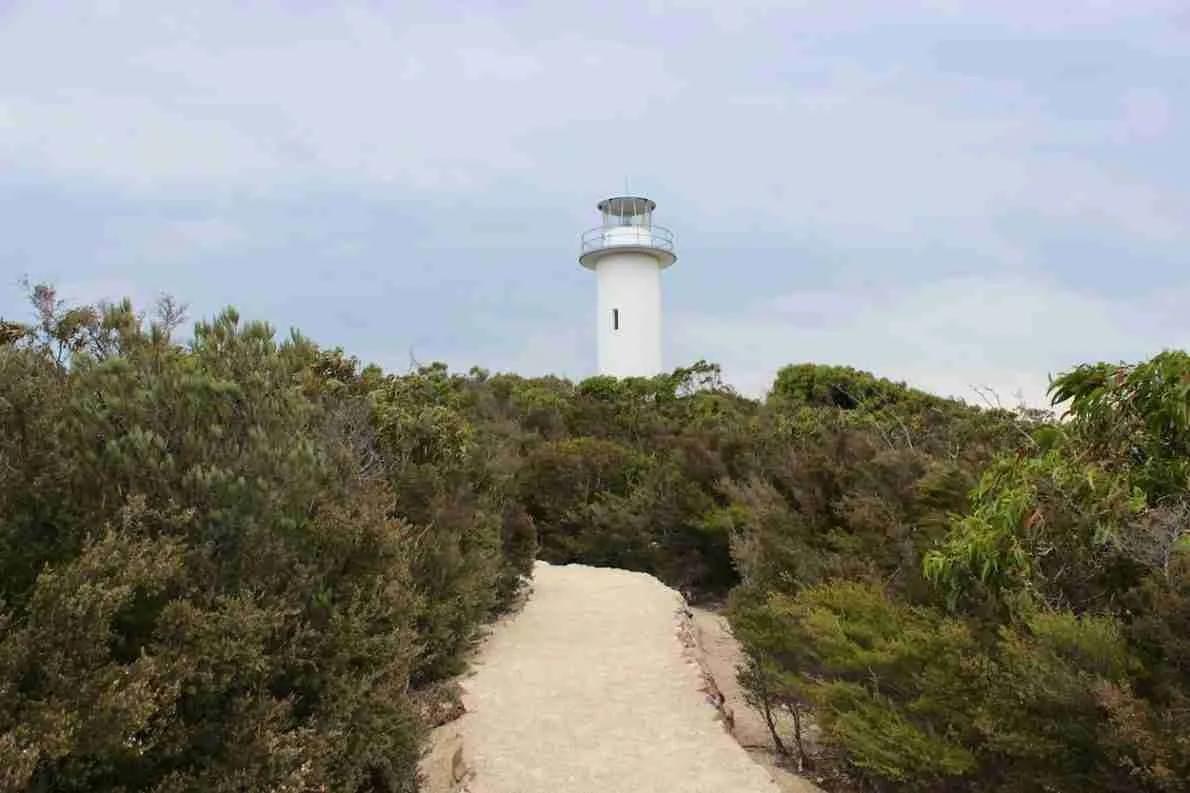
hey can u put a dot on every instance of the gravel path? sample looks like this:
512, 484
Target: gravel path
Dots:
589, 690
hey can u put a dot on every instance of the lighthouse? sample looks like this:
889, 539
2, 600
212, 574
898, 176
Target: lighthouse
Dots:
628, 254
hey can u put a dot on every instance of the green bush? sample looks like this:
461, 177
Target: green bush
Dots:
636, 479
1029, 639
203, 588
242, 564
889, 683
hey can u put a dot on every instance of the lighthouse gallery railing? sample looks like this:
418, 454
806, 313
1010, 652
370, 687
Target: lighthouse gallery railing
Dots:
602, 237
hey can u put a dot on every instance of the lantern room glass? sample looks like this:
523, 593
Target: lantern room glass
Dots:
627, 211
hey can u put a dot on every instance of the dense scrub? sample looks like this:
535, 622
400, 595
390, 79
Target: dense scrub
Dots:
238, 564
232, 565
1005, 614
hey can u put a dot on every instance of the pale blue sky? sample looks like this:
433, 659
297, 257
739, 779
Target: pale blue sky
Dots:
948, 192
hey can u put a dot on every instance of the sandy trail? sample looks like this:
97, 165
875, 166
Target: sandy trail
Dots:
589, 690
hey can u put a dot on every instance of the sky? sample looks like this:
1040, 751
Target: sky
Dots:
955, 193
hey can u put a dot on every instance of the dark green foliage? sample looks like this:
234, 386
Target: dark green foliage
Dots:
860, 489
889, 683
243, 565
223, 566
204, 587
566, 485
622, 473
840, 387
427, 446
1025, 640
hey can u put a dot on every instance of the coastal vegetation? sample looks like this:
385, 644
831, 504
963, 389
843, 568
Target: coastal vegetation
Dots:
239, 562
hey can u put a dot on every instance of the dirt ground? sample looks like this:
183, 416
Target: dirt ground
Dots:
600, 685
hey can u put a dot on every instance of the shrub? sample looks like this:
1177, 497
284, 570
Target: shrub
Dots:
204, 587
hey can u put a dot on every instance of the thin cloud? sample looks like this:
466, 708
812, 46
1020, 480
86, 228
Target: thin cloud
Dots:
396, 175
1010, 333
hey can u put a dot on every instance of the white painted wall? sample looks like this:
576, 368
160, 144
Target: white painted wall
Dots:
631, 282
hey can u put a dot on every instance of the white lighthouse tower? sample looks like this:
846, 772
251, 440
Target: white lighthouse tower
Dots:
628, 254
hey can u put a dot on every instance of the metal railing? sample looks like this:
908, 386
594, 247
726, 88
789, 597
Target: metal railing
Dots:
603, 237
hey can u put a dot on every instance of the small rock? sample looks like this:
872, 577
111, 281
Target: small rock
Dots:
458, 767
